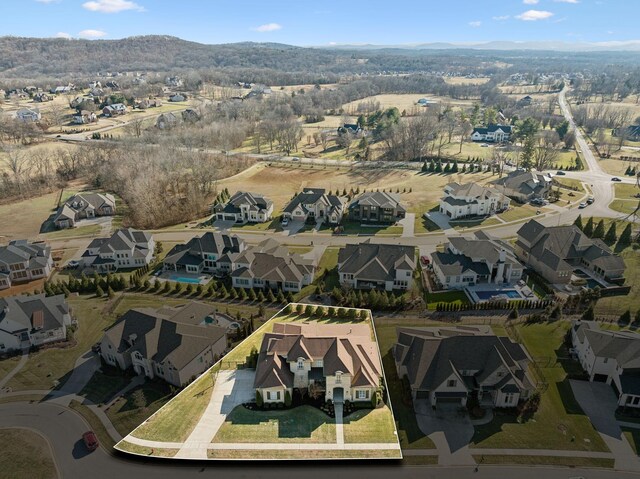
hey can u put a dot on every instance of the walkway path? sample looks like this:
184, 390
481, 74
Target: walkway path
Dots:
16, 370
231, 389
408, 225
338, 408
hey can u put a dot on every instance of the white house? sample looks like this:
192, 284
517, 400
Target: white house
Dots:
245, 207
471, 199
317, 204
127, 248
492, 133
612, 357
28, 115
27, 321
470, 261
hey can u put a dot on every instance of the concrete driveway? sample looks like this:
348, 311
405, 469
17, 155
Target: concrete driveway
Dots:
232, 388
450, 430
408, 224
599, 403
292, 228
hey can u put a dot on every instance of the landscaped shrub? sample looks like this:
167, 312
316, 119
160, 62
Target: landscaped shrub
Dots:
300, 309
259, 400
287, 398
374, 399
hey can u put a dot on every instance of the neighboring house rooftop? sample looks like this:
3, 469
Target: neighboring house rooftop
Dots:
375, 261
36, 312
312, 196
255, 202
378, 199
21, 251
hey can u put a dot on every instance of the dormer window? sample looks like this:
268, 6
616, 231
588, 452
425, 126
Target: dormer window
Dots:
338, 377
300, 364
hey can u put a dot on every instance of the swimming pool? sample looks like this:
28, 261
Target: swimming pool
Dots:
509, 293
182, 279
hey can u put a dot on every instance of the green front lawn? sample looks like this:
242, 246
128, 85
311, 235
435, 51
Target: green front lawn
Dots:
304, 424
126, 414
86, 230
453, 296
356, 228
102, 387
559, 422
624, 190
370, 425
619, 304
26, 455
424, 225
516, 213
626, 207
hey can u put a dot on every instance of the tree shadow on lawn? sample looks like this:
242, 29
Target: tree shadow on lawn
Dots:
299, 422
153, 391
500, 418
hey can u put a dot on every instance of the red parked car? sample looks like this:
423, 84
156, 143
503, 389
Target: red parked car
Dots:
90, 440
424, 260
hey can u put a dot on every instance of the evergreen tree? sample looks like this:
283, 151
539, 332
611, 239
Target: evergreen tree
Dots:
578, 222
625, 318
99, 292
167, 287
589, 314
528, 152
599, 231
189, 289
588, 228
612, 236
625, 237
110, 292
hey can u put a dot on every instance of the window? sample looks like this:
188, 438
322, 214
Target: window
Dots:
269, 395
277, 395
338, 378
452, 383
362, 394
509, 398
300, 364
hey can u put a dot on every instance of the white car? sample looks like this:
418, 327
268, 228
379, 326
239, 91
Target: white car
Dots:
285, 221
582, 205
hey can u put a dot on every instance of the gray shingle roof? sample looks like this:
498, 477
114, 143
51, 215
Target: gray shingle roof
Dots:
240, 198
20, 310
368, 261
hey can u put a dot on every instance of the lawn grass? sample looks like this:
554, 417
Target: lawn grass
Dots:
272, 454
370, 425
274, 226
102, 387
86, 230
474, 223
623, 190
626, 207
126, 415
166, 425
559, 422
616, 305
546, 461
633, 436
516, 213
451, 297
424, 225
146, 451
409, 434
26, 455
303, 424
356, 228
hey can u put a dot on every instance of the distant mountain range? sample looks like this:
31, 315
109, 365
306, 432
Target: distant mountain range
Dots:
633, 45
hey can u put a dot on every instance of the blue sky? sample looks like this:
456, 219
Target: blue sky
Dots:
306, 22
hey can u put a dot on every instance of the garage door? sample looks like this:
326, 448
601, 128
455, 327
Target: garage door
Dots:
601, 378
449, 400
422, 394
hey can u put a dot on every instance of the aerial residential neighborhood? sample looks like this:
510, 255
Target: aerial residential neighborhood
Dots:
252, 240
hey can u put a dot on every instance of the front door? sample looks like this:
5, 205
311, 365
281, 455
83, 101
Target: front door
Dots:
338, 395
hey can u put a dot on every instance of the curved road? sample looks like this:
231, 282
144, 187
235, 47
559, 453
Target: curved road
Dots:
63, 428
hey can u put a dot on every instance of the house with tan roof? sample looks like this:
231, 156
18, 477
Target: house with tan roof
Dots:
175, 344
450, 364
270, 265
339, 361
609, 356
27, 321
376, 266
471, 200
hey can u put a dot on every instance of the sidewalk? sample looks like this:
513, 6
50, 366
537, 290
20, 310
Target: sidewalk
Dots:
16, 370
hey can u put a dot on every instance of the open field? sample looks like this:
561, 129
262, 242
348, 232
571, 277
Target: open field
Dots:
405, 101
466, 81
26, 455
559, 422
619, 304
281, 183
618, 167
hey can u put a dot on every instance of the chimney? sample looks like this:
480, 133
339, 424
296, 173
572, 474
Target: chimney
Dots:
132, 339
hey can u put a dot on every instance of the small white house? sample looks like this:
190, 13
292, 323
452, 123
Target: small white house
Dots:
471, 199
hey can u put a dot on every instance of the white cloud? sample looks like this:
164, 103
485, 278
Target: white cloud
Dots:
92, 34
48, 1
530, 2
533, 15
567, 1
501, 18
475, 24
63, 35
268, 27
112, 6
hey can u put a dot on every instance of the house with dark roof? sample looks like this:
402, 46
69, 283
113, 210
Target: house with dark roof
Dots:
84, 206
468, 261
315, 204
450, 364
209, 253
339, 361
631, 132
28, 115
166, 121
22, 261
376, 207
244, 207
557, 252
175, 344
523, 186
27, 321
492, 133
609, 356
84, 116
125, 249
376, 266
270, 265
116, 109
470, 200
